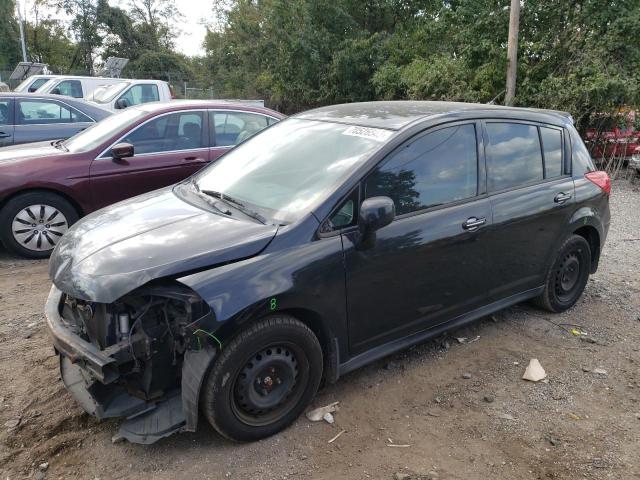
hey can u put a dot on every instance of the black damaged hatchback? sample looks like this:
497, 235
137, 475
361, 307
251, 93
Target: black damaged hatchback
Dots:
325, 242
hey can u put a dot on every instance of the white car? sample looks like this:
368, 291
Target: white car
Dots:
33, 83
634, 162
132, 92
77, 87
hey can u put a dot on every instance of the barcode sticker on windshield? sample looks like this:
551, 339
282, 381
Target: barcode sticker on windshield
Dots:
366, 132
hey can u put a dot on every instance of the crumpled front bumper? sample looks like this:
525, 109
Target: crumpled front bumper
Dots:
92, 377
103, 367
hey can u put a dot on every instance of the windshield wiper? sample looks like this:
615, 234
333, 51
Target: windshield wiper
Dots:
235, 203
58, 144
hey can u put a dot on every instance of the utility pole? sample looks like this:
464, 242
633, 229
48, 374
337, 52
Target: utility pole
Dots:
512, 52
24, 46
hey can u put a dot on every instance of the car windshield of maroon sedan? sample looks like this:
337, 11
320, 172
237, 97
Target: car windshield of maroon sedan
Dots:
289, 168
102, 131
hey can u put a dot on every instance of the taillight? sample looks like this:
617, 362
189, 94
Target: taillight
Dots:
601, 179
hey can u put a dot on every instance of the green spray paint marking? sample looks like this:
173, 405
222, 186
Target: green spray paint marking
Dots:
208, 334
273, 304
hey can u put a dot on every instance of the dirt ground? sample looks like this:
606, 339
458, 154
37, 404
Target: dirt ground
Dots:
493, 425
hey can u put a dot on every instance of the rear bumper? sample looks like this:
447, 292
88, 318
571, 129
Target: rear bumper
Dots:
103, 367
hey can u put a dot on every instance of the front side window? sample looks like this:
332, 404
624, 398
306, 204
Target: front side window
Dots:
436, 168
291, 168
552, 148
142, 93
5, 112
70, 88
514, 155
168, 133
232, 128
32, 112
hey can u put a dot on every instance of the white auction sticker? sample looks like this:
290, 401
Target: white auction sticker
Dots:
366, 132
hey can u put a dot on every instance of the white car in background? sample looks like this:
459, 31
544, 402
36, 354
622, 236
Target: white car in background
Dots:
33, 83
77, 86
132, 92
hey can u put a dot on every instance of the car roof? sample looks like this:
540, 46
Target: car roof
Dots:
398, 114
153, 107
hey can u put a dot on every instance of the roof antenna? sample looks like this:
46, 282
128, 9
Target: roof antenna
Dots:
493, 100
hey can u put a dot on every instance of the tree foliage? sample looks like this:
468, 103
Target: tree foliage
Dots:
9, 36
580, 56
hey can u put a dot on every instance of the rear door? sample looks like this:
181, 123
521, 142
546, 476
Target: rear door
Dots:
430, 264
6, 122
531, 194
167, 149
41, 119
231, 127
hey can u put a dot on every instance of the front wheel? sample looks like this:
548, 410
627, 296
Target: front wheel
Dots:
263, 379
567, 277
32, 223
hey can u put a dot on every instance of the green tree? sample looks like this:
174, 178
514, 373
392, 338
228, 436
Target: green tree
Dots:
9, 35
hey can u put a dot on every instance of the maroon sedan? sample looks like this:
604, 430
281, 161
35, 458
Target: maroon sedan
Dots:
45, 187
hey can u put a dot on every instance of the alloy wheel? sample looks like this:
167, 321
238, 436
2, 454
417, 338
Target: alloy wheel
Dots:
39, 227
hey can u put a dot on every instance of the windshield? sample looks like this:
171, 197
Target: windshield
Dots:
109, 93
102, 131
46, 86
37, 83
290, 167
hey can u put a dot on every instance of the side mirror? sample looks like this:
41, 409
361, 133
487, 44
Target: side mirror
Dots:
122, 150
121, 103
375, 213
55, 91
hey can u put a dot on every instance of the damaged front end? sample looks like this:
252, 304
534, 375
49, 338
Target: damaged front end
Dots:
143, 357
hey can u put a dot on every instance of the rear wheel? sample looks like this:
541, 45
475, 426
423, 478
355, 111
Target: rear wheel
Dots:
31, 224
263, 379
567, 277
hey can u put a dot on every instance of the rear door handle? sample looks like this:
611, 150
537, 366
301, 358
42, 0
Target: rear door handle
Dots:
4, 135
562, 197
472, 224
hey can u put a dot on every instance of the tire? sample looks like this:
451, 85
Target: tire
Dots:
273, 367
24, 230
567, 276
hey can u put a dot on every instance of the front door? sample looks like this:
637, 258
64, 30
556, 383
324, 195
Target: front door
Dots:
6, 122
167, 149
430, 264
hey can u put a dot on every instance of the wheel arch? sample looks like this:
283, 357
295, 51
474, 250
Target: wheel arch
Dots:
309, 317
74, 203
592, 236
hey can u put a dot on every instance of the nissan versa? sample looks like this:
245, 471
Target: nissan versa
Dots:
328, 240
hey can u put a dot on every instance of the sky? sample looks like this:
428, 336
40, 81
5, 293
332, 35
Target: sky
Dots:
190, 40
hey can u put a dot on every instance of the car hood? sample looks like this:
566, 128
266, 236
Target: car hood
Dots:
124, 246
28, 150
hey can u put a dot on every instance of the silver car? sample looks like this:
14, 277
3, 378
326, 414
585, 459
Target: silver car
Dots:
28, 117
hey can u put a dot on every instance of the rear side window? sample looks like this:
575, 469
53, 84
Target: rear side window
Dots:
437, 168
552, 148
514, 154
232, 128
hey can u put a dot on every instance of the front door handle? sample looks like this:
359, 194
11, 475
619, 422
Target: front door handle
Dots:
4, 135
472, 224
562, 197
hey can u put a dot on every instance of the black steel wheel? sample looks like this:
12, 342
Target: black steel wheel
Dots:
567, 276
263, 379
